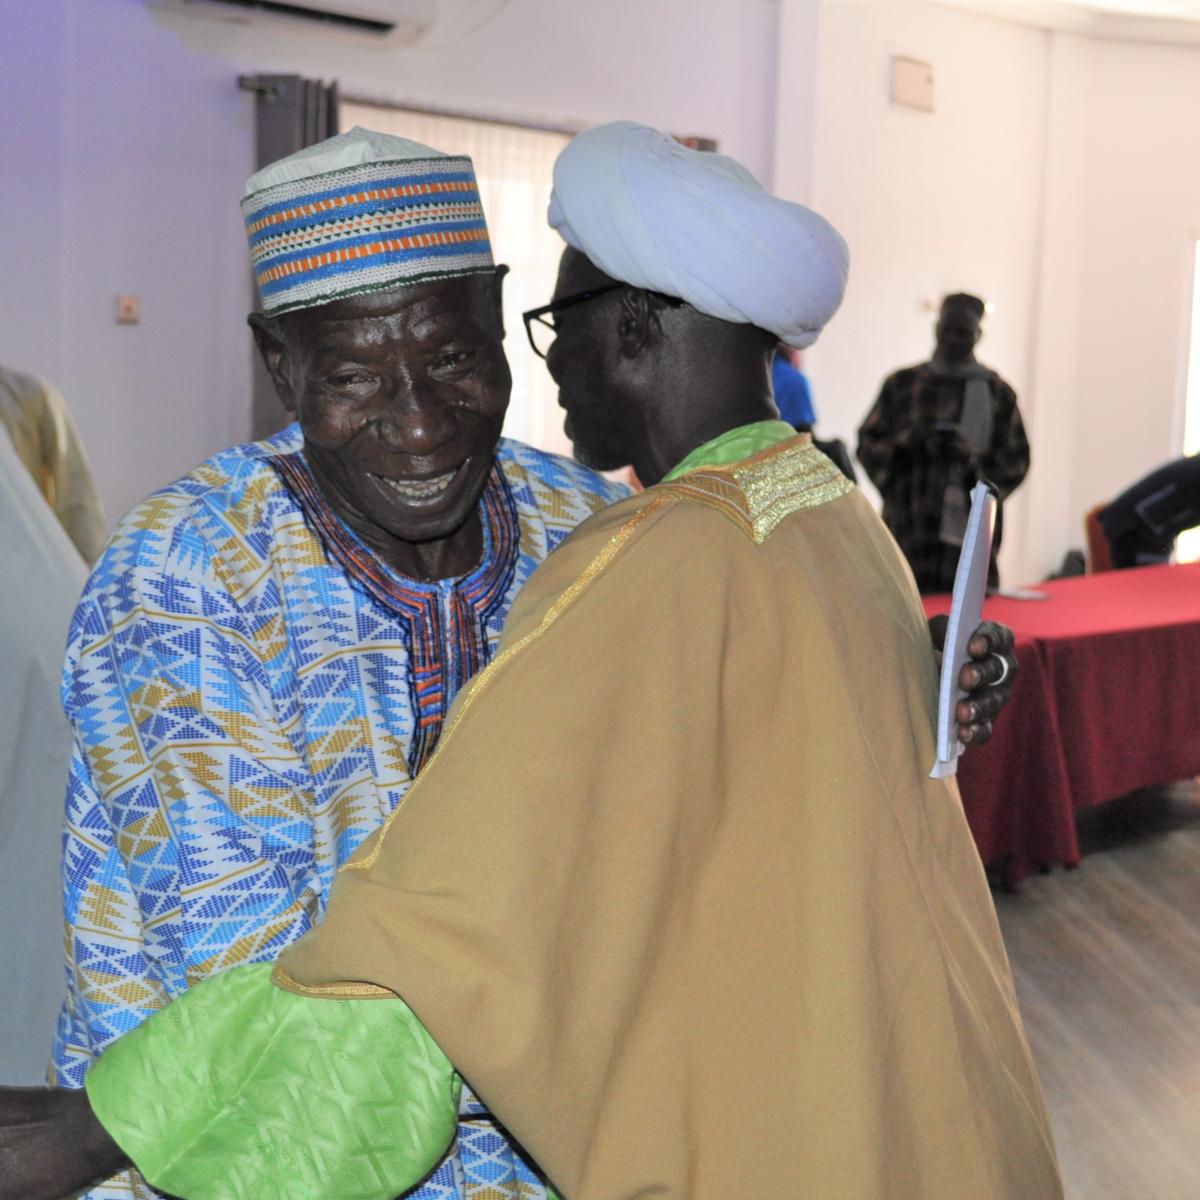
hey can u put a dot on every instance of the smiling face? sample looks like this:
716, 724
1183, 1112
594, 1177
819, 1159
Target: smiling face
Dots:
586, 362
401, 396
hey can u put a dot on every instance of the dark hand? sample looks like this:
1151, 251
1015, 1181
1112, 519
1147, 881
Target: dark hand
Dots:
51, 1144
984, 679
952, 445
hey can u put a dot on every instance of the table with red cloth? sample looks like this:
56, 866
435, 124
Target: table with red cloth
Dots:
1107, 701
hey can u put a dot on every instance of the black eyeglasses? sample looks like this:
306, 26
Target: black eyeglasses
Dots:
540, 326
539, 322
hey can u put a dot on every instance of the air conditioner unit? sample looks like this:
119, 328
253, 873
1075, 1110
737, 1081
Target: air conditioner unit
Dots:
399, 22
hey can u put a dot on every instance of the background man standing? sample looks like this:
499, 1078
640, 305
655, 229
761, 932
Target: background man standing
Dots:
935, 430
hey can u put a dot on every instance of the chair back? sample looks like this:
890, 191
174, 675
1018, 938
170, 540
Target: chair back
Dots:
1099, 552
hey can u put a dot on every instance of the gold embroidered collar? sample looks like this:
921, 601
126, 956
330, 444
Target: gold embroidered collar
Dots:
758, 492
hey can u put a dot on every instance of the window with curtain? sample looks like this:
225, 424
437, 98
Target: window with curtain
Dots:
514, 167
1187, 547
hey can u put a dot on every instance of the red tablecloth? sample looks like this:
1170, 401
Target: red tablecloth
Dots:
1108, 700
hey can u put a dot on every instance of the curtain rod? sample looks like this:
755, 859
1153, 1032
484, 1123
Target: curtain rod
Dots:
254, 83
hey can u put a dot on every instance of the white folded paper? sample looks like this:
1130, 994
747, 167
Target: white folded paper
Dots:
966, 611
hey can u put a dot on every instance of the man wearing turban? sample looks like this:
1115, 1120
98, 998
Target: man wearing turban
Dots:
714, 932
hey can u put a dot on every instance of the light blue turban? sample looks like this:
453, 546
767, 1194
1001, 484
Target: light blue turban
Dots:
652, 213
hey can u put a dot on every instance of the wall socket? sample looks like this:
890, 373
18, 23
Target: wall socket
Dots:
129, 310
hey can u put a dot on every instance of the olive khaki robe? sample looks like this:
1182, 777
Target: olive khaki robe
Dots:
676, 894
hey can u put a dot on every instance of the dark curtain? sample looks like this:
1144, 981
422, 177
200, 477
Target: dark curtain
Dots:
290, 113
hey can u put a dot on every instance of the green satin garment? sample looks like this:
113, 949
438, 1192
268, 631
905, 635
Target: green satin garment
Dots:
733, 446
239, 1090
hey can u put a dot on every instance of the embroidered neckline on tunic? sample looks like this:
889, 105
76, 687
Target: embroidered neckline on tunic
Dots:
442, 658
758, 492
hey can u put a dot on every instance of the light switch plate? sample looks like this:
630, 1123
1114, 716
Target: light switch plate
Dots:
129, 310
912, 83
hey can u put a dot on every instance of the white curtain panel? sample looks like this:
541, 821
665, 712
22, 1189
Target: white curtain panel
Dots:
1187, 546
514, 167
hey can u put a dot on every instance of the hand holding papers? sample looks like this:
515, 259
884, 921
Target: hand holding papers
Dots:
970, 585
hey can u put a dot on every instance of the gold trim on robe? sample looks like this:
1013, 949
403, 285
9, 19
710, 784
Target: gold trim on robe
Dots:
759, 492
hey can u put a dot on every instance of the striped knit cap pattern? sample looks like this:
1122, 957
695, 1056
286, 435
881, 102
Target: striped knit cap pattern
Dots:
369, 227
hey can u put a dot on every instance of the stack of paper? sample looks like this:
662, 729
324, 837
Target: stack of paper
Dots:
966, 611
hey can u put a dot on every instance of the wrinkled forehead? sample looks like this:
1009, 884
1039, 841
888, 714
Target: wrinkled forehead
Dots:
465, 302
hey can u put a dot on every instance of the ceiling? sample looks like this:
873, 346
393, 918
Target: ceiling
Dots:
1184, 10
1163, 21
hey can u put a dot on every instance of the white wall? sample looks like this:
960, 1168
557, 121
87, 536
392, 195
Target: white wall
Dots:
1121, 219
1049, 520
1140, 222
930, 203
1059, 177
796, 99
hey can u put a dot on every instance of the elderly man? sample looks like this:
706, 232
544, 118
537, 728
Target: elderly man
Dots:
714, 932
935, 430
265, 655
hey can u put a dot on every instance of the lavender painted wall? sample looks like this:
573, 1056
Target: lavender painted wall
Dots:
124, 165
32, 122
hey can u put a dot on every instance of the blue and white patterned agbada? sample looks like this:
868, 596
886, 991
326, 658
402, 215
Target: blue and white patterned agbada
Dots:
238, 678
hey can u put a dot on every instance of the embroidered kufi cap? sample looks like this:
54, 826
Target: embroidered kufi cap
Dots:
362, 212
696, 225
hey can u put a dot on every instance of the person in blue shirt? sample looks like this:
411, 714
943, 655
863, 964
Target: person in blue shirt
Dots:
793, 392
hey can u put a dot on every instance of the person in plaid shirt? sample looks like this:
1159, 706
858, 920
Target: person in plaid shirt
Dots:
934, 432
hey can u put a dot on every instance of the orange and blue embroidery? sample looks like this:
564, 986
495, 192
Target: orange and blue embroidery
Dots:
365, 228
444, 626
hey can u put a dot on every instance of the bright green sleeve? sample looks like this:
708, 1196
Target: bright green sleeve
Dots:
239, 1090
